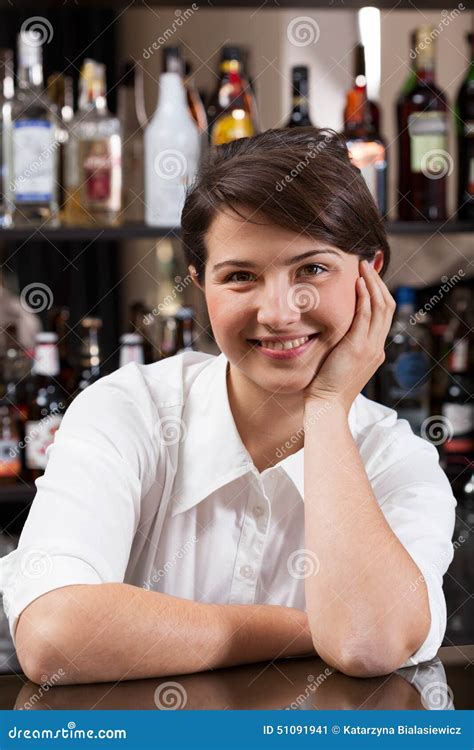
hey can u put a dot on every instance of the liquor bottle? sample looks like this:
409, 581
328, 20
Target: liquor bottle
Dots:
46, 407
169, 337
10, 440
366, 146
143, 323
58, 322
360, 83
458, 406
299, 116
6, 95
408, 85
131, 111
173, 61
89, 365
131, 349
229, 111
465, 133
16, 366
59, 89
425, 162
185, 329
94, 155
33, 143
172, 153
404, 377
195, 102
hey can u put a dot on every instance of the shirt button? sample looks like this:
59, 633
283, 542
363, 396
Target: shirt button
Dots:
246, 571
258, 511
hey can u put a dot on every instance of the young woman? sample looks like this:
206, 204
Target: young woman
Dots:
205, 511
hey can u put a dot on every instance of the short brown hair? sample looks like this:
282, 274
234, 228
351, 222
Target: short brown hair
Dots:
302, 179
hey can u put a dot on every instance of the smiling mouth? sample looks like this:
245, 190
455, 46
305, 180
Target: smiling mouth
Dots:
283, 345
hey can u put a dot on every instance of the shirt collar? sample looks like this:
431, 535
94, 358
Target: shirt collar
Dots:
212, 453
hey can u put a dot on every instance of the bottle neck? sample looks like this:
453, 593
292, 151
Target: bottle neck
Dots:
425, 69
30, 76
299, 99
172, 94
92, 96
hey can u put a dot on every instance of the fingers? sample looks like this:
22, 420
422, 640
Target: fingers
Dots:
381, 301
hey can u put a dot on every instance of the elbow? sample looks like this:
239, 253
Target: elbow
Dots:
41, 657
365, 661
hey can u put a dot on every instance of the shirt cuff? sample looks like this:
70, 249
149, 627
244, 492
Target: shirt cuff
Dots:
24, 580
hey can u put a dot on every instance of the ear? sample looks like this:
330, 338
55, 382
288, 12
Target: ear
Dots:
194, 276
377, 261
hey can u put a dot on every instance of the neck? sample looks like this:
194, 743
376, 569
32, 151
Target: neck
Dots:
269, 424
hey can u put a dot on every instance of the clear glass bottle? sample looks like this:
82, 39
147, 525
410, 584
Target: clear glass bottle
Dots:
172, 153
59, 90
33, 142
94, 156
131, 112
131, 349
404, 377
89, 367
6, 95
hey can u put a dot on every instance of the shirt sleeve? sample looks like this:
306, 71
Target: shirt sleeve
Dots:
415, 497
87, 507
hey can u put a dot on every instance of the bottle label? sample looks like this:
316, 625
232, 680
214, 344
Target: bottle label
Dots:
228, 128
101, 173
369, 157
428, 132
10, 462
39, 435
411, 371
46, 360
34, 160
459, 355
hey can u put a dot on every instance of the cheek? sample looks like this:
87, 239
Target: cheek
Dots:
226, 313
337, 306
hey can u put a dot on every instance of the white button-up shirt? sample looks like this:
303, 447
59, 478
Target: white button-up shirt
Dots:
148, 482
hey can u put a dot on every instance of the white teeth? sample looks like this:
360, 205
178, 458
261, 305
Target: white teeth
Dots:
283, 345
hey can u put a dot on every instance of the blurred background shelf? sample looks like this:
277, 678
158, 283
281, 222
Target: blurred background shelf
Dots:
139, 231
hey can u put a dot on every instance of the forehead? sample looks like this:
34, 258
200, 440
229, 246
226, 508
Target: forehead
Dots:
230, 232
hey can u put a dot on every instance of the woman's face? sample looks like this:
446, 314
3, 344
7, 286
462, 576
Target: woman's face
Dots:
259, 291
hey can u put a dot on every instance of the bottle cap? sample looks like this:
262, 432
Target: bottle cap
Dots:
46, 337
131, 338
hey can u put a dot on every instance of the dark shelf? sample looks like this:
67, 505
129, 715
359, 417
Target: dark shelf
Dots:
429, 227
137, 231
17, 493
127, 232
260, 4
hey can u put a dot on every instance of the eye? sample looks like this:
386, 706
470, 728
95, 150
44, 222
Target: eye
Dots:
311, 271
232, 276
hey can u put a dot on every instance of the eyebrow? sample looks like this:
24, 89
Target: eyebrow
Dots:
296, 259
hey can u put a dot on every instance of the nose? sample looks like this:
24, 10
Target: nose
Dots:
275, 305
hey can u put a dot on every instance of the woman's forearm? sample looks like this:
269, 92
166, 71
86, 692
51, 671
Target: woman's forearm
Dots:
367, 604
107, 632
